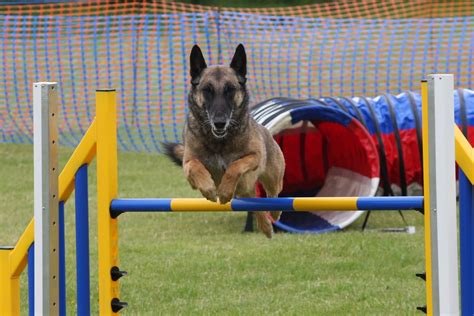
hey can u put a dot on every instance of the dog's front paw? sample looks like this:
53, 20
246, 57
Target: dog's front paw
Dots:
209, 193
225, 193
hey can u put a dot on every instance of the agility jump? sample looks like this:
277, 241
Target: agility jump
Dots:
43, 248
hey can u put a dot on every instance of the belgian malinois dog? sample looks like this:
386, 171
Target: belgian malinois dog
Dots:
225, 151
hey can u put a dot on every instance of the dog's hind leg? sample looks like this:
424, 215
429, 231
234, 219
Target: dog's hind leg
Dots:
273, 184
264, 223
248, 228
246, 189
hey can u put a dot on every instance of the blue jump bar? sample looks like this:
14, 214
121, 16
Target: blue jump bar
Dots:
265, 204
141, 205
387, 203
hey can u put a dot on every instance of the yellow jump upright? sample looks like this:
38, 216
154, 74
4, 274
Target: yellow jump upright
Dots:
12, 263
426, 194
106, 119
10, 286
10, 289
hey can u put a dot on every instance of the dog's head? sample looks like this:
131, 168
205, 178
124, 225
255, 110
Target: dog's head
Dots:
218, 95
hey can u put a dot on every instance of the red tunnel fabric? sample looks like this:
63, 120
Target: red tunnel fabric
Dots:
323, 153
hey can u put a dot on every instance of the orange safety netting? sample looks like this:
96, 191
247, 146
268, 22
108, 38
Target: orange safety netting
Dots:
141, 48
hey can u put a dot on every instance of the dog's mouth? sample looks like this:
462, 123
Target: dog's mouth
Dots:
218, 129
218, 133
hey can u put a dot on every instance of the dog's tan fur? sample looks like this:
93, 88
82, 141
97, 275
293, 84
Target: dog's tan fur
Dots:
223, 169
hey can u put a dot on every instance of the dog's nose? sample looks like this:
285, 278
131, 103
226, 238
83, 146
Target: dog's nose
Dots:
219, 125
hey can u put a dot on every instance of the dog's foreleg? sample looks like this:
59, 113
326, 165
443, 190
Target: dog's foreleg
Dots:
200, 178
232, 176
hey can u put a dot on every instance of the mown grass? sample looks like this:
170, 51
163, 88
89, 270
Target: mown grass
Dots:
191, 264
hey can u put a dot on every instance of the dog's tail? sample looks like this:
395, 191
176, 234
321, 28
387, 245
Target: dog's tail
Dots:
174, 151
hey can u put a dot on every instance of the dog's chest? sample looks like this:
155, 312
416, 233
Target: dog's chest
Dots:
217, 164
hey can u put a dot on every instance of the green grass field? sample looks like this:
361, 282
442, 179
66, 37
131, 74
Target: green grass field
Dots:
188, 264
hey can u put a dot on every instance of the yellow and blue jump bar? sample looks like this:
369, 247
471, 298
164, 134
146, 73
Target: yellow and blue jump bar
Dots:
296, 204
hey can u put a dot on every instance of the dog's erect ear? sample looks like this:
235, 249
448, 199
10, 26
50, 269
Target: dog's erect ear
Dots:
198, 64
239, 63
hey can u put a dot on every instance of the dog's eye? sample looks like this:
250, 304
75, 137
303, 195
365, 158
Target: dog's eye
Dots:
208, 91
229, 90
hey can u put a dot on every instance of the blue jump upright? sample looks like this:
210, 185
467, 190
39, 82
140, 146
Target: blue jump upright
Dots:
82, 242
31, 280
466, 223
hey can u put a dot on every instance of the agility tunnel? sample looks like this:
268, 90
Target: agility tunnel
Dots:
350, 147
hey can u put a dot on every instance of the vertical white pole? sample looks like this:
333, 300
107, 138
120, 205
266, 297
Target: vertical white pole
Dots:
443, 209
45, 113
